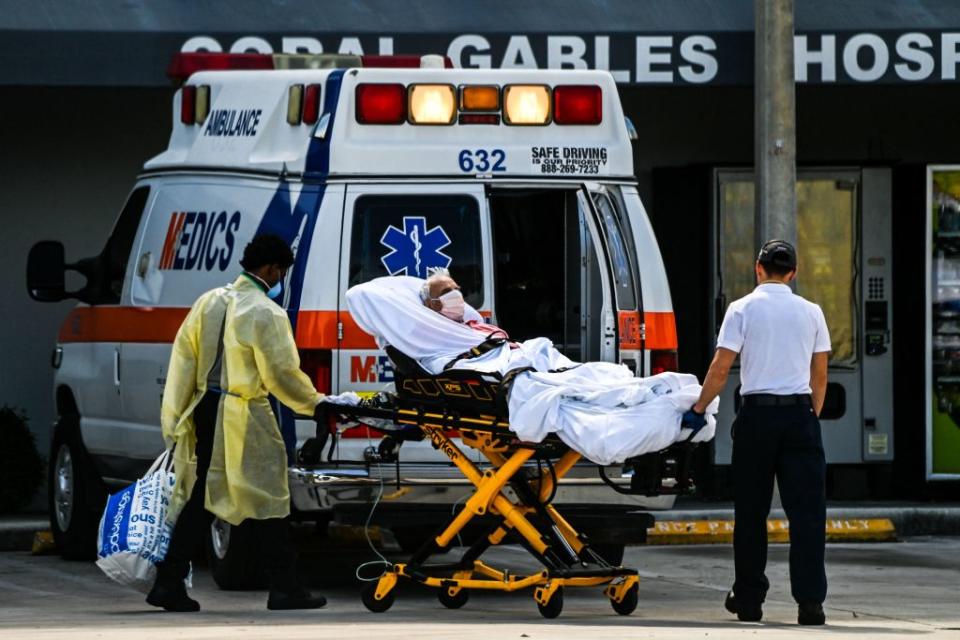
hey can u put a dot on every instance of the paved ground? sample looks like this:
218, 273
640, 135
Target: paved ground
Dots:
889, 590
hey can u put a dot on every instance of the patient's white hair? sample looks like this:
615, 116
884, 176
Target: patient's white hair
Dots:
432, 274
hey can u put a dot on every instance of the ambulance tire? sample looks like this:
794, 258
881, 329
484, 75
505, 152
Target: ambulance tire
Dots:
232, 555
76, 495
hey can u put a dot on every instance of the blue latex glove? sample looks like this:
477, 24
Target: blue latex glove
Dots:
693, 420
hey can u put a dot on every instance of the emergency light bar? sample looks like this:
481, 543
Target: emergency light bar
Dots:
432, 104
437, 104
183, 65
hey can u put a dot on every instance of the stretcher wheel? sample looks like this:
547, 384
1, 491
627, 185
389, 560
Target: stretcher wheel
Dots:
368, 597
629, 603
453, 602
554, 605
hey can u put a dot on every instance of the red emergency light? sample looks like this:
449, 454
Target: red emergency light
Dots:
577, 104
184, 64
381, 103
311, 104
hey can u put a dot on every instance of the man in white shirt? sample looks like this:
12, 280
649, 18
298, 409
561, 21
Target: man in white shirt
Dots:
784, 347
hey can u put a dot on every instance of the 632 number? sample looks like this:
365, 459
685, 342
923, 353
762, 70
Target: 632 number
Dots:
482, 160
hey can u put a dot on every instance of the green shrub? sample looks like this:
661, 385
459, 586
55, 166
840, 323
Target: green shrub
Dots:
21, 467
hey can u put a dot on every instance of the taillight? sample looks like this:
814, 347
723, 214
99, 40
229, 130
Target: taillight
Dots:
577, 104
311, 104
381, 103
316, 364
661, 361
188, 101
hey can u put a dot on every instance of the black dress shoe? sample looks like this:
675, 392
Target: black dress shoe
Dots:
172, 598
811, 613
300, 599
744, 613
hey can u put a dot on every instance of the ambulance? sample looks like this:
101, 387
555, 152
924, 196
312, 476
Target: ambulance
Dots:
518, 181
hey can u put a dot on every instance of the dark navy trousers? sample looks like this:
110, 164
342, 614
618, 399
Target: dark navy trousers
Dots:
782, 442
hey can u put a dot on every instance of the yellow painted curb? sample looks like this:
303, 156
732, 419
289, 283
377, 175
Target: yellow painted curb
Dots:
43, 543
721, 531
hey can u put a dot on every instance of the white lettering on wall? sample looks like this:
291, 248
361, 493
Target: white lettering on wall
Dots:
300, 45
350, 46
201, 43
949, 56
386, 46
851, 57
647, 58
703, 66
601, 59
519, 54
479, 60
910, 47
826, 57
566, 52
251, 44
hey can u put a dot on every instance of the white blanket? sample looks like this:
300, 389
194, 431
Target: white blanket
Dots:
597, 408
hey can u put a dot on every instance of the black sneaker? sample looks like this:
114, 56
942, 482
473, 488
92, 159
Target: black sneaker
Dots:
750, 613
811, 613
301, 599
172, 598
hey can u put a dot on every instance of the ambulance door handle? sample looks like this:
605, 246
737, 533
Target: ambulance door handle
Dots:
116, 369
143, 265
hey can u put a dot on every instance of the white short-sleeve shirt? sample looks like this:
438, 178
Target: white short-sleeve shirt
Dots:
776, 333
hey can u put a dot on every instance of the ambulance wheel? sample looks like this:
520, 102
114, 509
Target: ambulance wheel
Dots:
368, 597
75, 494
453, 602
629, 603
234, 561
554, 605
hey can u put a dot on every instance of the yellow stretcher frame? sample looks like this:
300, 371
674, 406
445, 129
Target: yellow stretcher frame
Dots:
563, 551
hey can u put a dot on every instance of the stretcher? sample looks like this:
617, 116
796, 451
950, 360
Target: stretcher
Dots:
512, 495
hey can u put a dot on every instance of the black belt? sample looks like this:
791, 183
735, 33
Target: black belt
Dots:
770, 400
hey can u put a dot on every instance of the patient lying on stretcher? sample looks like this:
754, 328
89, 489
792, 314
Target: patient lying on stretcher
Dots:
597, 408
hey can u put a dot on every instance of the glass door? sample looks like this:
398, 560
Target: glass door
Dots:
828, 255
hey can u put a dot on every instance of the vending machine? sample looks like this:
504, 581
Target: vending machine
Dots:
943, 323
844, 256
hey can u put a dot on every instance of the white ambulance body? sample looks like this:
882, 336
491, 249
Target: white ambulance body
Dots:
367, 172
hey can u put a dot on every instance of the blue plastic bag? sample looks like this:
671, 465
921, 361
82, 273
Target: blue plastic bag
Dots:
135, 529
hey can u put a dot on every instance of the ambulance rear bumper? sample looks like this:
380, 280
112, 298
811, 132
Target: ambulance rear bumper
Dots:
326, 489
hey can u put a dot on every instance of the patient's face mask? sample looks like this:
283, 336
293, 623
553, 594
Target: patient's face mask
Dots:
453, 305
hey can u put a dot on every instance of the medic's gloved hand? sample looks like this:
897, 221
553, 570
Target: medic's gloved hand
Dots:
347, 397
693, 420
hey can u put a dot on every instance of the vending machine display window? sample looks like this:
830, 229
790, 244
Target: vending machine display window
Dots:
943, 323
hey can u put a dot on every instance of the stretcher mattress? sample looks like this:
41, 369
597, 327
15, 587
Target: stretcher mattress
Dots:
599, 409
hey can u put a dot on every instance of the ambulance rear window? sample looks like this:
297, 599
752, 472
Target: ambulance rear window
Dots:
406, 235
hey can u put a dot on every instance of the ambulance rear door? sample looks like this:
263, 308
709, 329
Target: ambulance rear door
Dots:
611, 217
405, 229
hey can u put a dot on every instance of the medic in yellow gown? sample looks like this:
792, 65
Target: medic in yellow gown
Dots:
234, 349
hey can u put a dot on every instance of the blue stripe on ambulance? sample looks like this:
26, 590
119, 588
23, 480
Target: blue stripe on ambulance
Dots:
289, 222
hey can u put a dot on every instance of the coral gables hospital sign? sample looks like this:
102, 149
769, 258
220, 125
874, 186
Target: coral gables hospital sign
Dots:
842, 57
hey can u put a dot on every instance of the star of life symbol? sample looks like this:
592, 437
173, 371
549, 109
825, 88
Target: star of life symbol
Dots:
414, 249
